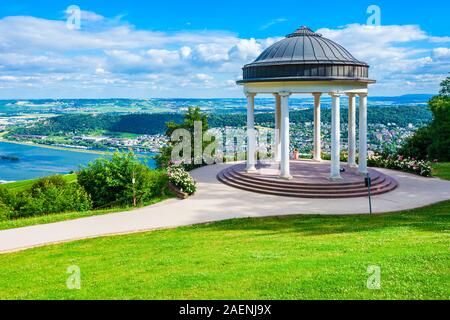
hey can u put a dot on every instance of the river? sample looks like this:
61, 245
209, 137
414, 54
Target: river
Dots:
35, 162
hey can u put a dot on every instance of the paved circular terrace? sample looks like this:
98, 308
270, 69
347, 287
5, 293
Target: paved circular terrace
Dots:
310, 180
216, 201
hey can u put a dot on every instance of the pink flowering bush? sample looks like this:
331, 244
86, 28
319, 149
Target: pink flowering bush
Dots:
411, 165
181, 179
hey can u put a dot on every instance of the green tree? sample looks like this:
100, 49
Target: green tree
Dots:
192, 115
46, 196
433, 142
440, 128
121, 180
5, 211
445, 88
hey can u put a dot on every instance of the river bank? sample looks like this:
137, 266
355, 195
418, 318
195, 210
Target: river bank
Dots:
89, 151
36, 161
32, 144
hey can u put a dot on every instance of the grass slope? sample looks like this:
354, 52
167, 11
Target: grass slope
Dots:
25, 222
57, 217
303, 257
442, 170
26, 184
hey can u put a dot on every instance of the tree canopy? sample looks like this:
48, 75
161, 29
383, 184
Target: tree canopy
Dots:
433, 141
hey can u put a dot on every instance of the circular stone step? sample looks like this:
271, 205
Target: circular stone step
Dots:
310, 180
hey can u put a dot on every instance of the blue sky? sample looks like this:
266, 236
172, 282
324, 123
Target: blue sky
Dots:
197, 48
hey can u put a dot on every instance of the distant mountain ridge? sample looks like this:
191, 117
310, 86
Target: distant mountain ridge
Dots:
406, 97
418, 96
155, 123
222, 106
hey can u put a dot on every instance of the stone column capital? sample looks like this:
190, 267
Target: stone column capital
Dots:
317, 94
250, 94
335, 94
351, 94
284, 94
363, 94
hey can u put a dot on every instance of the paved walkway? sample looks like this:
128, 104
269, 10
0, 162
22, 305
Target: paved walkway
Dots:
215, 201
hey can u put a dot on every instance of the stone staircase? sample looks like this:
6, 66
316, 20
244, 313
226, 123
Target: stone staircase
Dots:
306, 186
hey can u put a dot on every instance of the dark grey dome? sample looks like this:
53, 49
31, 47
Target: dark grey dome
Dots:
304, 56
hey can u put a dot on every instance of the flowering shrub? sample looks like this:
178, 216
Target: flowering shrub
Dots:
343, 156
420, 167
181, 179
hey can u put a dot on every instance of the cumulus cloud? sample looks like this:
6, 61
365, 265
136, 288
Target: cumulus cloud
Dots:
246, 50
375, 43
84, 15
441, 53
9, 78
109, 55
185, 52
204, 77
109, 51
400, 56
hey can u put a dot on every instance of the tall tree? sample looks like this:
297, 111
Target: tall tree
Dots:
445, 88
433, 142
192, 115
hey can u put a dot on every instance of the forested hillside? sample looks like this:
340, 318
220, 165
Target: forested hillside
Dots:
70, 123
401, 115
156, 123
144, 123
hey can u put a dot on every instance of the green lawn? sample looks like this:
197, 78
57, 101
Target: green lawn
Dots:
302, 257
26, 184
31, 221
25, 222
442, 170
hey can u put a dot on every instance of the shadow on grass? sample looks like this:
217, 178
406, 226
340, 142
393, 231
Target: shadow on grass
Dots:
435, 218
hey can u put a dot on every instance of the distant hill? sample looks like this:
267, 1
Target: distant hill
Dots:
417, 96
155, 123
214, 106
405, 99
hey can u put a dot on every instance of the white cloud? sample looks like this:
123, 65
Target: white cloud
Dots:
186, 52
272, 23
91, 16
439, 39
124, 56
246, 50
84, 15
100, 71
109, 56
211, 52
441, 53
163, 57
397, 55
204, 77
9, 78
376, 43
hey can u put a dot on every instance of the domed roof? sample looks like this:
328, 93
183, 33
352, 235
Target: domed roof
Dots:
304, 56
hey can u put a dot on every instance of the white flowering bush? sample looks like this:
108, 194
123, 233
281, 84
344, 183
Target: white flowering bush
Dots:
181, 179
420, 167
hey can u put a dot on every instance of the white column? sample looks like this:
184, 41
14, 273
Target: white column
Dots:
335, 137
317, 130
277, 127
363, 133
251, 134
351, 130
285, 170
